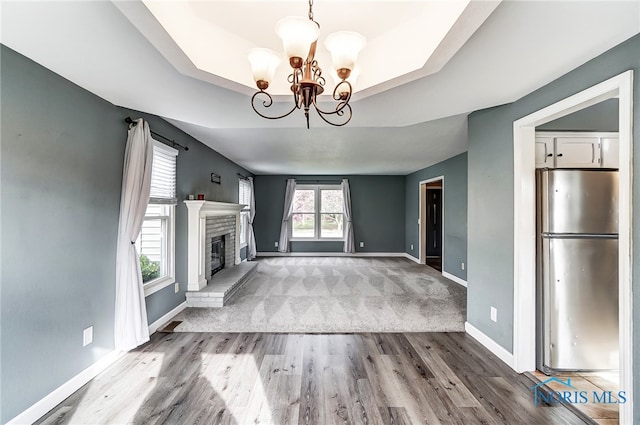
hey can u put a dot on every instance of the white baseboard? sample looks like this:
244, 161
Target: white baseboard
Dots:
340, 254
411, 257
331, 254
58, 395
166, 318
489, 344
456, 279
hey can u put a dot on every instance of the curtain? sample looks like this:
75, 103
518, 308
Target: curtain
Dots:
349, 242
283, 244
131, 328
251, 237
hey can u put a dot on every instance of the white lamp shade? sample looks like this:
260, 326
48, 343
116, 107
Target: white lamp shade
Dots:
344, 47
297, 34
263, 64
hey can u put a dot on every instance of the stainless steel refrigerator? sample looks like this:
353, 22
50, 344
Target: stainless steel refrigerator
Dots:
577, 269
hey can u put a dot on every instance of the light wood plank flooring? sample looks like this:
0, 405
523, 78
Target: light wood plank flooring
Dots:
253, 378
601, 414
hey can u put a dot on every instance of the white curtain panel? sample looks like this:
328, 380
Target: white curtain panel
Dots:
131, 328
283, 244
349, 242
251, 237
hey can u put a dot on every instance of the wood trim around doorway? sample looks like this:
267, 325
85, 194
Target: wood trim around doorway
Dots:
422, 221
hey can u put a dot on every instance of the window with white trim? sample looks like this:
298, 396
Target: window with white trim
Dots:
156, 242
244, 198
318, 213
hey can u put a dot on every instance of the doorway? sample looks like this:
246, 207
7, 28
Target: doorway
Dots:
432, 222
433, 229
524, 344
577, 155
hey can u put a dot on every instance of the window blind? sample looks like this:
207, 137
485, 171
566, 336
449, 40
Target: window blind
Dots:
244, 195
163, 175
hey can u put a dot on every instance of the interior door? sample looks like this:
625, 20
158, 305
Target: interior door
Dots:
434, 222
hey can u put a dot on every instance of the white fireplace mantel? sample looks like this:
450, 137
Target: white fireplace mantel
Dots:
198, 211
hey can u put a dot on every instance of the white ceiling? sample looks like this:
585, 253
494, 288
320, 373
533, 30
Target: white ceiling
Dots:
399, 128
411, 34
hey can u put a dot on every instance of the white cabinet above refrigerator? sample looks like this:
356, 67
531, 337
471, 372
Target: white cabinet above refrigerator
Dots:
576, 149
545, 154
577, 152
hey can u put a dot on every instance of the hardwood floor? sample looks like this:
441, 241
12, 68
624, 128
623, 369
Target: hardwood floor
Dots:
252, 378
602, 414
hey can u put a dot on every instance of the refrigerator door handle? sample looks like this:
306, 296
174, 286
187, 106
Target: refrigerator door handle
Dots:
578, 236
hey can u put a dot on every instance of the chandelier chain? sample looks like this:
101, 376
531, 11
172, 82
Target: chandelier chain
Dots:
311, 10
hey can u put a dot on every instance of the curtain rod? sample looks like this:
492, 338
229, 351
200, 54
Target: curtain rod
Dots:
129, 121
243, 177
318, 181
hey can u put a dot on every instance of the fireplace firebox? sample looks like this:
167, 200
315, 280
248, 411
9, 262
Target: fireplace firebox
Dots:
217, 254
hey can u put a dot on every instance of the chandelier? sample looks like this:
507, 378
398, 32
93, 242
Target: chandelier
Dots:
300, 37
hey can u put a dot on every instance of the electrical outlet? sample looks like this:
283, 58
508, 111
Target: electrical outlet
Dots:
87, 336
275, 244
494, 314
176, 287
361, 244
411, 247
462, 266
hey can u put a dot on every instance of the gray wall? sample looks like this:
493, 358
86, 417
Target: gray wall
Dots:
62, 155
491, 219
194, 168
602, 116
454, 171
61, 169
378, 213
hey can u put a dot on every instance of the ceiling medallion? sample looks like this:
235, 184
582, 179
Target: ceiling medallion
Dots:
300, 37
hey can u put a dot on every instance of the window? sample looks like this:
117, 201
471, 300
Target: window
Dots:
156, 243
318, 213
244, 198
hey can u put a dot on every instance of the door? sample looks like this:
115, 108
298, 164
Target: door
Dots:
577, 152
610, 152
579, 201
580, 284
544, 152
434, 222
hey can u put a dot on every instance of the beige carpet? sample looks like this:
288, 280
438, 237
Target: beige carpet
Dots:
337, 294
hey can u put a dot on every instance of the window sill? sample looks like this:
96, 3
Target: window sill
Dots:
157, 285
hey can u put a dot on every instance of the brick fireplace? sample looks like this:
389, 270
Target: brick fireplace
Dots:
207, 219
220, 227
